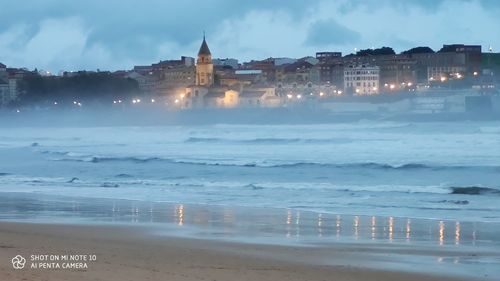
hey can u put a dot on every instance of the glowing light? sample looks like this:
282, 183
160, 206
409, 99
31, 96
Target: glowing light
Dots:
134, 101
374, 89
392, 86
443, 79
357, 91
475, 73
374, 221
320, 223
321, 94
459, 75
356, 227
138, 100
299, 96
289, 217
441, 233
17, 110
289, 96
55, 103
74, 102
153, 100
180, 214
119, 101
79, 104
408, 229
410, 84
114, 102
176, 101
391, 228
339, 92
182, 96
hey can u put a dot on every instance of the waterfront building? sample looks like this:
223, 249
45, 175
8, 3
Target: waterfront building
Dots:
361, 80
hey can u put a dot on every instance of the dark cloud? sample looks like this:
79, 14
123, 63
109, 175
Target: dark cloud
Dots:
134, 31
330, 32
135, 28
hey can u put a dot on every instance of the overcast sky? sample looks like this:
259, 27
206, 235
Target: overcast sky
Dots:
59, 35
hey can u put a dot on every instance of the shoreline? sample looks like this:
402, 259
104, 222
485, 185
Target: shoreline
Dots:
131, 253
344, 246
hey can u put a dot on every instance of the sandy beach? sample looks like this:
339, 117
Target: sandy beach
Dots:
128, 253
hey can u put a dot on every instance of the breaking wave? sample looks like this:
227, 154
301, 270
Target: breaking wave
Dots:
264, 164
474, 190
268, 140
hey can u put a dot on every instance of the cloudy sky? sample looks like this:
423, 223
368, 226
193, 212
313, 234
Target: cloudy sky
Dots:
59, 35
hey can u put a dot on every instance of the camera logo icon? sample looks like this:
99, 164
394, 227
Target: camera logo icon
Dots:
18, 262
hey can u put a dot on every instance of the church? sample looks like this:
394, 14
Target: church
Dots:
210, 92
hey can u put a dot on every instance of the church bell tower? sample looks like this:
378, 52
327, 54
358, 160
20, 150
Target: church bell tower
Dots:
204, 66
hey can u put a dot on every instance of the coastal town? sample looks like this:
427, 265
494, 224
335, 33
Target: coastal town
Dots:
455, 78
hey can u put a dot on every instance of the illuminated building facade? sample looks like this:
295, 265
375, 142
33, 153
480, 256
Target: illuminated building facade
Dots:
361, 80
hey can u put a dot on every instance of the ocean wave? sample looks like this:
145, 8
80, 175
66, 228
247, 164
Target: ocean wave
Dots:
474, 190
266, 163
267, 140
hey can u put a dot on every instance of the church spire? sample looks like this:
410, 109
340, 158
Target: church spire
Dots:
204, 50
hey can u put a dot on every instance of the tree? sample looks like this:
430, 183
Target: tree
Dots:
376, 52
98, 87
418, 50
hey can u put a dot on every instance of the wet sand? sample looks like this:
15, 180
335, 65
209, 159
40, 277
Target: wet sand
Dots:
126, 252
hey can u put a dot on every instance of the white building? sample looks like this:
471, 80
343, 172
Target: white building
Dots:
8, 87
361, 80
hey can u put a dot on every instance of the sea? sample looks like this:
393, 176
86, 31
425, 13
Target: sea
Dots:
429, 170
425, 193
